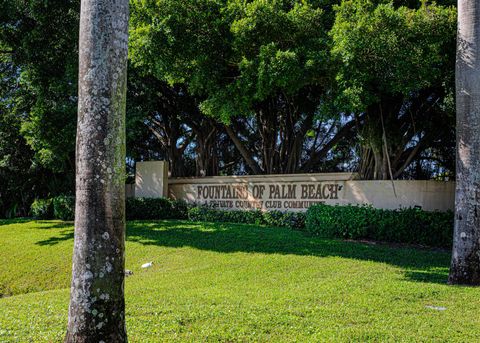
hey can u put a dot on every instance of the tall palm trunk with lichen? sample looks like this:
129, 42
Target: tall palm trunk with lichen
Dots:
97, 306
465, 266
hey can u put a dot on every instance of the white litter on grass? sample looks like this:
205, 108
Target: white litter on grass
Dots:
437, 308
128, 272
147, 265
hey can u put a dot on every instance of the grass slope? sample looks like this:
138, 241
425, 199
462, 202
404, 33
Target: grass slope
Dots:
229, 283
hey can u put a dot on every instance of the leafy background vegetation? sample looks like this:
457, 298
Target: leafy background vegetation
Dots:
235, 87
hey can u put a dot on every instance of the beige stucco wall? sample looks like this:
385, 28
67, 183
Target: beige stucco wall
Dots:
429, 195
151, 179
297, 192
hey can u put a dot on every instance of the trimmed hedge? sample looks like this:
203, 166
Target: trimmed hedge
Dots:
410, 225
209, 214
294, 220
63, 207
158, 208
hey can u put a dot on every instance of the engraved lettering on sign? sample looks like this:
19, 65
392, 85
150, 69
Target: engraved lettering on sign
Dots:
267, 196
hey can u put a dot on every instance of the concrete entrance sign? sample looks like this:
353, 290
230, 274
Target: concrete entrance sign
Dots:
297, 192
294, 192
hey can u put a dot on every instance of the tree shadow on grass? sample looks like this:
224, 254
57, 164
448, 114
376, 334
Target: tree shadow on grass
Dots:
421, 265
54, 224
65, 235
44, 224
14, 221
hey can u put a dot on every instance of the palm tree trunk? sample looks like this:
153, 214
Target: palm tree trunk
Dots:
97, 306
465, 267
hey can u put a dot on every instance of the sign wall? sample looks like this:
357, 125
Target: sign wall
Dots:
300, 191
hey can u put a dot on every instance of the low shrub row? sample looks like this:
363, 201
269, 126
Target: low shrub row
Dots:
159, 208
410, 225
294, 220
63, 208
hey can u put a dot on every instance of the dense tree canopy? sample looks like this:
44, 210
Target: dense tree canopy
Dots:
258, 65
290, 71
237, 55
38, 66
41, 39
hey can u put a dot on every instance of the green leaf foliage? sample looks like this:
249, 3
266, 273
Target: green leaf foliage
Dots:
42, 209
63, 207
409, 225
234, 54
41, 39
382, 50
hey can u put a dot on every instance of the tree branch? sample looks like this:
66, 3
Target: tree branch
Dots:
344, 132
243, 151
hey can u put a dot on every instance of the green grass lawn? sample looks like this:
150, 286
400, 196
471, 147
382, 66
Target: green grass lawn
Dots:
237, 283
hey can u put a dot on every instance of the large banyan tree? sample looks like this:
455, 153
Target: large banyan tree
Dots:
394, 71
309, 86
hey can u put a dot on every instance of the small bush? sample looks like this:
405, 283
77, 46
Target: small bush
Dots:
42, 209
339, 221
64, 207
155, 209
294, 220
180, 209
409, 225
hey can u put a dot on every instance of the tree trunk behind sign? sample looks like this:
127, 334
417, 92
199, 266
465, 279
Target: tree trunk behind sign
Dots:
97, 306
465, 267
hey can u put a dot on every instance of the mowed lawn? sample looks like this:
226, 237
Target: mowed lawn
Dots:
240, 283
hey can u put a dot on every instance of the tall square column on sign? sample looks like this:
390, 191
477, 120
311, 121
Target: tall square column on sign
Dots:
151, 179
